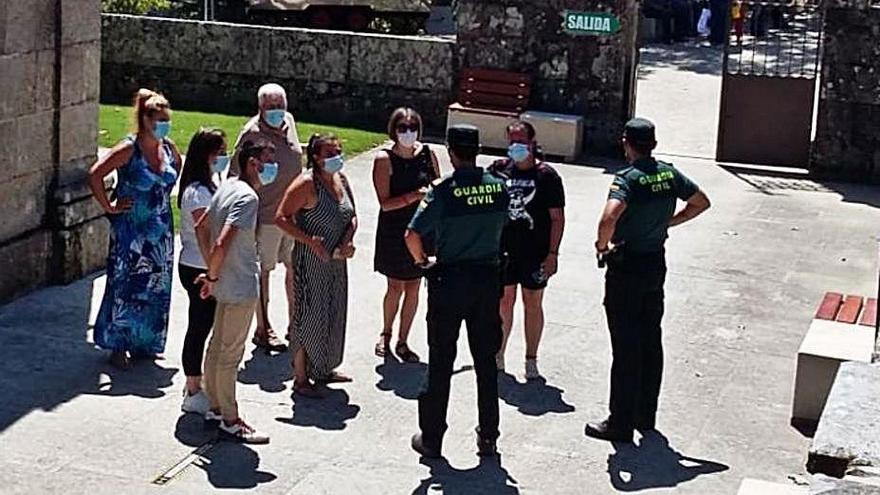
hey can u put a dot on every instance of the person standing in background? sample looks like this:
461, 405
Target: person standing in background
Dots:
401, 176
205, 156
133, 319
273, 124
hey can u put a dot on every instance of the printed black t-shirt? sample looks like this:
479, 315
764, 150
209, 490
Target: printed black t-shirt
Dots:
533, 193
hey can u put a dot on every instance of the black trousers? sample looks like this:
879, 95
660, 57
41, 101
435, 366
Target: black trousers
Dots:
455, 294
634, 309
201, 319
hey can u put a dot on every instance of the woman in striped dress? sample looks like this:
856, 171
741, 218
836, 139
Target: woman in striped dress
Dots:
318, 211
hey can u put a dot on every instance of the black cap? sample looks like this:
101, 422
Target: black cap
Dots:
640, 131
463, 136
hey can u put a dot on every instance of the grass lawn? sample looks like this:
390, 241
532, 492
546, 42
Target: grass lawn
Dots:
116, 122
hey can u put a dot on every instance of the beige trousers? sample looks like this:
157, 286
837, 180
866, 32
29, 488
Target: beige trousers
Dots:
232, 323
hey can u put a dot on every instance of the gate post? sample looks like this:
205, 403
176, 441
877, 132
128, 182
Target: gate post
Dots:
590, 75
848, 128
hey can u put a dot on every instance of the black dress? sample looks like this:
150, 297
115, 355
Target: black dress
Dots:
392, 258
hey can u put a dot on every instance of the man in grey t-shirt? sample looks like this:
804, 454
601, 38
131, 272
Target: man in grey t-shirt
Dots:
227, 240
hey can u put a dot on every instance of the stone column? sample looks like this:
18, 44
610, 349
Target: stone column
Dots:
81, 232
592, 76
847, 142
49, 66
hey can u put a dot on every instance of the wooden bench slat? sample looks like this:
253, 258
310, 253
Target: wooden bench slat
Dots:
849, 312
869, 315
495, 75
499, 102
495, 88
829, 307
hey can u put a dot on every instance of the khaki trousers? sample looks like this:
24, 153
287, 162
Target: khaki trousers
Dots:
232, 323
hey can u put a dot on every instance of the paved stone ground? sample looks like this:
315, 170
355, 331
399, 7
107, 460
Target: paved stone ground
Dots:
743, 283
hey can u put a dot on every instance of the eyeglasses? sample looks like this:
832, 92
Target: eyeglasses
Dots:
405, 128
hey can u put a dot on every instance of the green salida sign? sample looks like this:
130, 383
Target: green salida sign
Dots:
594, 23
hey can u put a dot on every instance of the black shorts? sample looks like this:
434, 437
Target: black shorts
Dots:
524, 270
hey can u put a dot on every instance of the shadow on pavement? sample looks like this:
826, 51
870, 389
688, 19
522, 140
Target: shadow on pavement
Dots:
331, 412
46, 359
269, 371
689, 56
533, 397
227, 464
654, 464
771, 182
233, 465
404, 379
488, 477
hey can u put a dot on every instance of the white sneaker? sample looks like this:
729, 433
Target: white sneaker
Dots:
499, 362
532, 372
197, 403
242, 432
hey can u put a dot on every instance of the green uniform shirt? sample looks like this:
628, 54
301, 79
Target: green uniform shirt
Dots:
650, 189
464, 213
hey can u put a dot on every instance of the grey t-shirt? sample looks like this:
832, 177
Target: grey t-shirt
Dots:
235, 203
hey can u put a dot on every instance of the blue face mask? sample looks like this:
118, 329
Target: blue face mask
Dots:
275, 118
269, 172
161, 129
220, 164
518, 152
334, 164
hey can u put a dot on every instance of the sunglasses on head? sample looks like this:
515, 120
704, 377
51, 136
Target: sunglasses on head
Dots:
405, 127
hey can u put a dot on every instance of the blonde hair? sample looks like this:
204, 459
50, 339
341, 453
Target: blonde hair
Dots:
146, 103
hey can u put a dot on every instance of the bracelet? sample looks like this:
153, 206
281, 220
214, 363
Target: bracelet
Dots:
212, 279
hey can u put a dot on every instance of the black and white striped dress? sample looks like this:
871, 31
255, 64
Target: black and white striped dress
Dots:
322, 287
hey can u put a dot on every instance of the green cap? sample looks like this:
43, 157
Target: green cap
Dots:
463, 136
640, 131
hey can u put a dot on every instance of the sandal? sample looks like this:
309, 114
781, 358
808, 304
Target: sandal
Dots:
383, 347
406, 354
336, 377
270, 342
306, 389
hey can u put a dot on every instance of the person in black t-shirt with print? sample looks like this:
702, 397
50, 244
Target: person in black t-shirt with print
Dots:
531, 238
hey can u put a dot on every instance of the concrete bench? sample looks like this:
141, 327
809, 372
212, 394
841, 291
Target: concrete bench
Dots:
490, 100
842, 330
559, 134
849, 431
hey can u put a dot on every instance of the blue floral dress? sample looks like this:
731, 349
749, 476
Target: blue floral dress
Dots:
134, 312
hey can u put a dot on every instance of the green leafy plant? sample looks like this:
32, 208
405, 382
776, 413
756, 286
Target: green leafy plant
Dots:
138, 7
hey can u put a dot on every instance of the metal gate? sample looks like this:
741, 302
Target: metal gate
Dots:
769, 83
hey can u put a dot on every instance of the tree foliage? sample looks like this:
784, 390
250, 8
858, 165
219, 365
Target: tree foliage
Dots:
138, 7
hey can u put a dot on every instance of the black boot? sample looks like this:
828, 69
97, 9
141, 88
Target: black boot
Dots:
607, 431
429, 451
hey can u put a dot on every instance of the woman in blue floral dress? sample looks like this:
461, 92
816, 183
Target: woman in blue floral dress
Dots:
133, 319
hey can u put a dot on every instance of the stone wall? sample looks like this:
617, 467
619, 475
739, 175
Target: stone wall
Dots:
49, 64
335, 77
848, 132
593, 76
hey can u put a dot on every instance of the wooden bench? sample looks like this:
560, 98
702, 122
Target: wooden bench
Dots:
490, 100
843, 329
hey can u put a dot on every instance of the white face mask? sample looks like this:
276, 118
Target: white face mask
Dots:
407, 139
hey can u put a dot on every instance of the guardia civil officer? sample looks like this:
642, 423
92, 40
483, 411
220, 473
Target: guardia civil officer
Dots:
464, 213
632, 233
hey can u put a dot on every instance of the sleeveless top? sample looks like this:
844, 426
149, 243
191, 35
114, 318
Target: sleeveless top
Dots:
391, 257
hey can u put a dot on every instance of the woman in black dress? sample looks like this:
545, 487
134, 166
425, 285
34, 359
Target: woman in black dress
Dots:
401, 176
